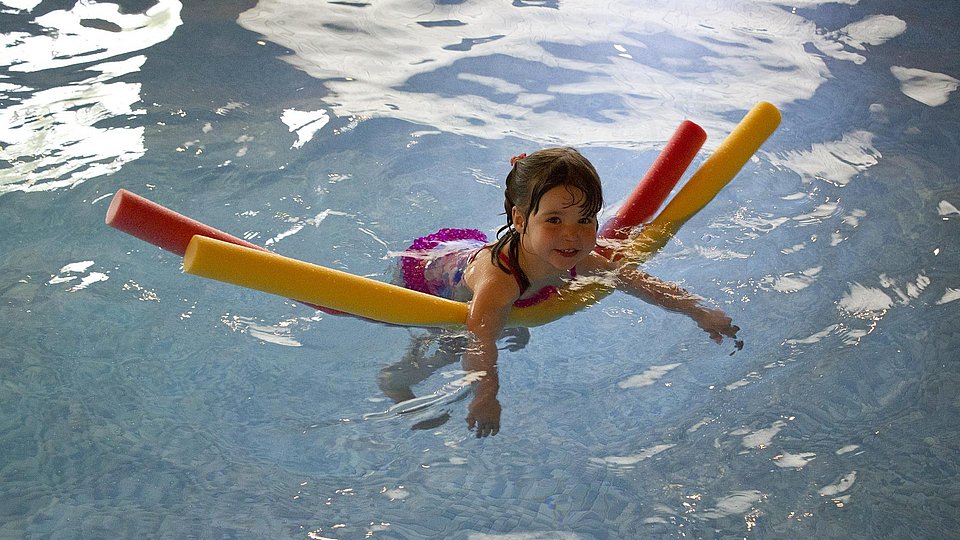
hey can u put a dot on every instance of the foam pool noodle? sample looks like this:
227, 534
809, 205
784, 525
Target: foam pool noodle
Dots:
661, 177
360, 296
725, 162
238, 262
166, 229
158, 225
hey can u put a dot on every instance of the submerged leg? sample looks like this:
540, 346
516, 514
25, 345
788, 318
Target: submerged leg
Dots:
426, 354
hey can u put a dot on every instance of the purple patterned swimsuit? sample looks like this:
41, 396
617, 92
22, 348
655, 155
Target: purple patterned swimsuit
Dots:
434, 264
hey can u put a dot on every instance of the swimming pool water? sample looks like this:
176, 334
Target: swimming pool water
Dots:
139, 401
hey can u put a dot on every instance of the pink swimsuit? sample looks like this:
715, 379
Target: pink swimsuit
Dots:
434, 264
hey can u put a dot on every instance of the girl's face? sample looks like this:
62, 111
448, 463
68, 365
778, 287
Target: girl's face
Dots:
557, 236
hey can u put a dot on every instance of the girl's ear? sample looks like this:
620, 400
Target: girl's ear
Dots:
517, 217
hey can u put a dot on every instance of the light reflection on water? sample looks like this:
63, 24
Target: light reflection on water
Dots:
138, 401
50, 135
572, 75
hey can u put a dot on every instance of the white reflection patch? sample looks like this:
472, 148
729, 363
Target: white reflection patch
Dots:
26, 5
815, 338
787, 460
738, 502
837, 162
71, 39
51, 139
752, 376
717, 254
648, 377
947, 210
864, 300
907, 292
630, 460
950, 295
73, 272
927, 87
792, 282
871, 302
277, 334
819, 214
305, 123
844, 483
874, 30
586, 73
810, 3
760, 438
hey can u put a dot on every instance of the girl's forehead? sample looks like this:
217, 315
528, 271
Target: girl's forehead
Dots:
562, 197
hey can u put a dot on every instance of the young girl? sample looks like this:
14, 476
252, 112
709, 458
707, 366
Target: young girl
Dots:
552, 199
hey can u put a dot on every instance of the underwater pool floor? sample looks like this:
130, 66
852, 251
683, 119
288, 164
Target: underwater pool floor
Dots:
137, 401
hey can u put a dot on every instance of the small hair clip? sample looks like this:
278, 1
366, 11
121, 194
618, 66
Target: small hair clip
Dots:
515, 159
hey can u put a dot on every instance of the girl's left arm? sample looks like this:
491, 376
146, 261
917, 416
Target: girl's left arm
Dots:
669, 296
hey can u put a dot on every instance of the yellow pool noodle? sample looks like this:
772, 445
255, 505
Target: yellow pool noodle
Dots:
364, 297
368, 298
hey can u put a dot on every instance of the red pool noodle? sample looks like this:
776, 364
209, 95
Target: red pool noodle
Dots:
167, 229
659, 181
159, 225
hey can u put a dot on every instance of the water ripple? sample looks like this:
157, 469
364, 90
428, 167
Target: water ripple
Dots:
573, 74
52, 135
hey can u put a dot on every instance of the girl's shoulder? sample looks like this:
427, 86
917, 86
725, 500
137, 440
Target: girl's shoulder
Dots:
483, 275
482, 265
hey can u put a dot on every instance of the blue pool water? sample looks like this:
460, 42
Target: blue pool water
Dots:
136, 401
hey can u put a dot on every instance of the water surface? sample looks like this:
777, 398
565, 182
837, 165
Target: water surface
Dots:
138, 401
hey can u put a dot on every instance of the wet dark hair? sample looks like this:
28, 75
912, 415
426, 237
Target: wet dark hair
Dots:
530, 178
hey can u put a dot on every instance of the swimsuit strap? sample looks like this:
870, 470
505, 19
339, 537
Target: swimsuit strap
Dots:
541, 295
516, 276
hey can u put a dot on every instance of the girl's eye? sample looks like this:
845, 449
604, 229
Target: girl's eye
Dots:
553, 220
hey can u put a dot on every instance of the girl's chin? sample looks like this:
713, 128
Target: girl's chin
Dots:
565, 262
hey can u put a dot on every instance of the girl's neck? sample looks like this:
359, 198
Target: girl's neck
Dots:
540, 273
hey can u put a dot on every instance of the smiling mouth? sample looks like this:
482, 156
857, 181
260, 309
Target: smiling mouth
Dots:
568, 252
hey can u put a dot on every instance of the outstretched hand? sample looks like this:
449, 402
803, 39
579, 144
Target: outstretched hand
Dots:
718, 324
484, 416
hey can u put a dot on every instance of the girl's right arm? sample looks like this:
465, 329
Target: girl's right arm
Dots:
494, 293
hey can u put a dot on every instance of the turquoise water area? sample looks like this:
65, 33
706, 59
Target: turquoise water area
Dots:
136, 401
